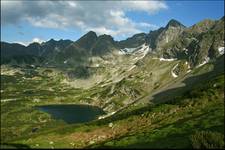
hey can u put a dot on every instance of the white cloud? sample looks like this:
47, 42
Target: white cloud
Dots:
72, 4
107, 17
26, 43
22, 43
147, 6
37, 40
148, 25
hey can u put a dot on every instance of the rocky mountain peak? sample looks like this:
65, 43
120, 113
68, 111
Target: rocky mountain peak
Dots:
106, 37
34, 44
87, 41
104, 44
51, 41
174, 23
91, 34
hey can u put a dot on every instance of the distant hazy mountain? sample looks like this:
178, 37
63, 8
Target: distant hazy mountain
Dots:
17, 52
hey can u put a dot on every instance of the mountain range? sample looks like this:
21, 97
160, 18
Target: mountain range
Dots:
195, 44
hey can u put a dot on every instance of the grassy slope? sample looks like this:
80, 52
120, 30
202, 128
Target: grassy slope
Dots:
202, 109
167, 125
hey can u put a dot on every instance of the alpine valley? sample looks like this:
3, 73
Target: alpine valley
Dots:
162, 89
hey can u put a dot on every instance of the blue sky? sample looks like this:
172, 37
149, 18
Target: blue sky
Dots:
186, 12
31, 22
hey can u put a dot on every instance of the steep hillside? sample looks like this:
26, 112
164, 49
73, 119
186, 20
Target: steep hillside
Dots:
192, 120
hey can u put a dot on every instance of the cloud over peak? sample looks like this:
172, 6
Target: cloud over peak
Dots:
26, 43
103, 17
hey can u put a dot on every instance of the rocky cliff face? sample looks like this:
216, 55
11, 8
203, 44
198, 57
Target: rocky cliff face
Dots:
172, 30
87, 41
104, 45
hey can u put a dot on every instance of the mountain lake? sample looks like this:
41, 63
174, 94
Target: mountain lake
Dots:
73, 113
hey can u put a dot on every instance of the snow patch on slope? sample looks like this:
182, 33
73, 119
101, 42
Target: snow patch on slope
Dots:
65, 62
121, 52
136, 58
164, 59
127, 51
188, 71
172, 71
9, 100
206, 60
132, 67
189, 67
107, 115
140, 49
171, 59
144, 50
185, 50
221, 50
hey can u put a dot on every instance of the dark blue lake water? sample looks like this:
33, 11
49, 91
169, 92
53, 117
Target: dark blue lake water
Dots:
73, 113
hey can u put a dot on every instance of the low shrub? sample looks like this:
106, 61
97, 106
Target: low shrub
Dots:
207, 140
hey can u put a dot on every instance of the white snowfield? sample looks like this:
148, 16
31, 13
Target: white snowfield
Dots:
221, 50
140, 49
173, 74
139, 52
144, 50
